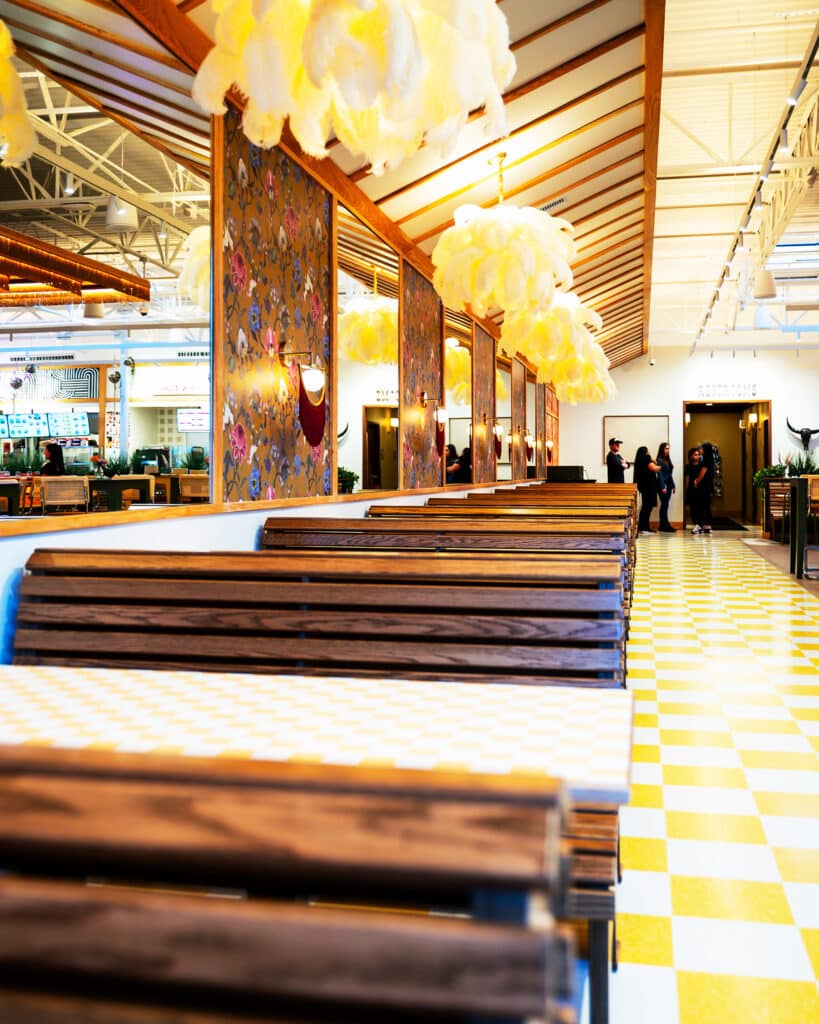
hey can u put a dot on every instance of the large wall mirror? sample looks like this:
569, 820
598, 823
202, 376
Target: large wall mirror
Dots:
368, 404
503, 420
530, 438
458, 396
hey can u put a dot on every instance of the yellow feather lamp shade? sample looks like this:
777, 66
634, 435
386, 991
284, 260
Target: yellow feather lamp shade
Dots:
17, 136
368, 330
360, 71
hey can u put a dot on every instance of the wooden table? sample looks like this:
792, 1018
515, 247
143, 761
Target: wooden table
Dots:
114, 487
582, 737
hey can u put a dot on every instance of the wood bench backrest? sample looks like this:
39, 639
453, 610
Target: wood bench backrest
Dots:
203, 870
498, 616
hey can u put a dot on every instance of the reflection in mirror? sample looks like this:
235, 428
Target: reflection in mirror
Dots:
368, 355
503, 421
530, 434
458, 397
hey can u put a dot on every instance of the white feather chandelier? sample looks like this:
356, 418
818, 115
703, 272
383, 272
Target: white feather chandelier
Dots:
458, 372
17, 137
558, 342
368, 330
194, 277
505, 257
381, 75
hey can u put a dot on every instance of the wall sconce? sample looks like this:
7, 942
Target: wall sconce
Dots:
394, 422
529, 441
753, 420
440, 416
742, 424
549, 445
687, 419
312, 411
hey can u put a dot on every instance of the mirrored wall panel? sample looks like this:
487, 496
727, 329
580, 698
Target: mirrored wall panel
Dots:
368, 416
502, 428
458, 395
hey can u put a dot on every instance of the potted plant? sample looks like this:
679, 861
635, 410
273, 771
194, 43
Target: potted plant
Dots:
194, 459
117, 465
347, 479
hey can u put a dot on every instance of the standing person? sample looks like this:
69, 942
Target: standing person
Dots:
451, 463
615, 463
54, 464
667, 485
704, 484
693, 494
645, 476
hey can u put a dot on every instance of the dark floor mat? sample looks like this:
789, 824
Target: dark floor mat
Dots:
724, 523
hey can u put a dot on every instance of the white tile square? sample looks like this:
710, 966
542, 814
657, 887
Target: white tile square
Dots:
694, 723
639, 994
644, 892
646, 774
646, 736
645, 822
709, 800
798, 833
705, 757
699, 858
782, 780
804, 901
744, 948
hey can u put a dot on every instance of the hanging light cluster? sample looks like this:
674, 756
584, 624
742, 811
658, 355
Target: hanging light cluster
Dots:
17, 137
368, 328
558, 342
458, 372
383, 76
194, 277
517, 259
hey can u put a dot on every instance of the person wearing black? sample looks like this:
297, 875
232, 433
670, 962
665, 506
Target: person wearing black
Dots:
451, 463
667, 485
615, 463
703, 487
645, 476
54, 464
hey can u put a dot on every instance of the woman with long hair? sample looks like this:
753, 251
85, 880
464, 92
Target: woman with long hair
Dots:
667, 485
54, 464
645, 476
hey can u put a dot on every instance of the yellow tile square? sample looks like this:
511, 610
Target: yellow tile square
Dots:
642, 673
766, 725
730, 899
646, 721
814, 742
805, 714
669, 707
645, 754
645, 940
780, 759
797, 865
696, 775
643, 854
796, 805
643, 694
646, 796
681, 684
729, 999
719, 828
691, 738
799, 689
810, 936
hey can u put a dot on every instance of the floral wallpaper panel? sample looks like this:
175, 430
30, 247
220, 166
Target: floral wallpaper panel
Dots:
421, 370
518, 420
276, 278
540, 430
483, 407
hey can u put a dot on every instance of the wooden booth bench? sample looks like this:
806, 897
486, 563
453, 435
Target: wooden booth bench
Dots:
149, 889
523, 617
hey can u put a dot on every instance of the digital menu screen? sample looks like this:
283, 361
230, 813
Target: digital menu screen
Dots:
68, 424
192, 420
4, 427
28, 424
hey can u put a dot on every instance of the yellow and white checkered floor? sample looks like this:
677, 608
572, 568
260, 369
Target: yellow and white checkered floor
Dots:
718, 912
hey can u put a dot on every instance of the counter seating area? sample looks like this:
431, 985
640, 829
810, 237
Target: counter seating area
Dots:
24, 495
242, 891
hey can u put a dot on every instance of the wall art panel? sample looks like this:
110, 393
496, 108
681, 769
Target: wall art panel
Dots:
276, 297
483, 407
421, 370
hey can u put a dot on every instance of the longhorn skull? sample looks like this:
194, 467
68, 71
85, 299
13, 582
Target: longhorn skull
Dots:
805, 433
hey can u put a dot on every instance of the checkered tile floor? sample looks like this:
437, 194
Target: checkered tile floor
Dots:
718, 912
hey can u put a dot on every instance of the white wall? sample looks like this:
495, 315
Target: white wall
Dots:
790, 383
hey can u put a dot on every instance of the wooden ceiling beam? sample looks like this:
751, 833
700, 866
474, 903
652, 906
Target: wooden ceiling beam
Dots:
655, 33
595, 283
607, 250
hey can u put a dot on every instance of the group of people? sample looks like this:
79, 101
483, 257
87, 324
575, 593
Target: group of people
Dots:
655, 482
458, 467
